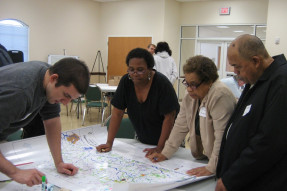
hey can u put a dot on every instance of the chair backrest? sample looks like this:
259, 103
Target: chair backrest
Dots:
126, 129
93, 94
15, 136
16, 55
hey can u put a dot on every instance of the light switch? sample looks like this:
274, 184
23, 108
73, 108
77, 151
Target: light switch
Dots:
277, 40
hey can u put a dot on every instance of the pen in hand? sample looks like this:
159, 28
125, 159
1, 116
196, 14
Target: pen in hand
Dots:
43, 183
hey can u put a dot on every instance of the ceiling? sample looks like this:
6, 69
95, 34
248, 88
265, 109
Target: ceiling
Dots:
104, 1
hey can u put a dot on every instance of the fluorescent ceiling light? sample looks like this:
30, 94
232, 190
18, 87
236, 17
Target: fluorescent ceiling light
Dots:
105, 1
238, 31
223, 27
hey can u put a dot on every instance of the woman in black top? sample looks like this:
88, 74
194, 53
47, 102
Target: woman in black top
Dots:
150, 100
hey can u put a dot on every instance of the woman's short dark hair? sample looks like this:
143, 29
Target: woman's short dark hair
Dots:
163, 46
204, 68
72, 71
141, 53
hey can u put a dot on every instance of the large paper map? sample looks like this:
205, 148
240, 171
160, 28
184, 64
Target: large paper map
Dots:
100, 171
124, 168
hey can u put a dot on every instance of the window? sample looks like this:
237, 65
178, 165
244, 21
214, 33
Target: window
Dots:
14, 36
212, 41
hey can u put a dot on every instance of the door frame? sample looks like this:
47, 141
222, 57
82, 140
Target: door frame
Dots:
222, 55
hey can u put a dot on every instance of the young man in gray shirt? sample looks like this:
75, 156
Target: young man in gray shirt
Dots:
35, 87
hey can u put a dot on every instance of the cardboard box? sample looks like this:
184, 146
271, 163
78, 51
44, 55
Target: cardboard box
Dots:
117, 78
114, 80
111, 82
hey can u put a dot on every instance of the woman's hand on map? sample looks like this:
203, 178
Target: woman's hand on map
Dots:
200, 171
30, 177
150, 151
156, 157
66, 168
104, 148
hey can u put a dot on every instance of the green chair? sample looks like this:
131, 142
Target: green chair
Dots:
78, 103
126, 129
15, 136
93, 98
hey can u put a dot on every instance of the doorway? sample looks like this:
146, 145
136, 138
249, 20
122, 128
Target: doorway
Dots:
118, 48
217, 52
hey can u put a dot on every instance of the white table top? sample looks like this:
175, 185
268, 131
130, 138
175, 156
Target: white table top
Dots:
106, 87
36, 148
202, 185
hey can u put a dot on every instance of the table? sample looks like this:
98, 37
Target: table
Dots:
182, 153
107, 90
79, 104
36, 149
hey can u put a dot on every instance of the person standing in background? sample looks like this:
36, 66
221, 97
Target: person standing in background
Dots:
5, 59
164, 63
151, 48
235, 84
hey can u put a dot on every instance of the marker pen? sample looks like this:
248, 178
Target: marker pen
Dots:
43, 183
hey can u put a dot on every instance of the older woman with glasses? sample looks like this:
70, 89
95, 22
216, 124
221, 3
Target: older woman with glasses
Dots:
150, 100
203, 115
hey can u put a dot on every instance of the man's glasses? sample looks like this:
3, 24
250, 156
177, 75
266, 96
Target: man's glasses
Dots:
192, 86
140, 72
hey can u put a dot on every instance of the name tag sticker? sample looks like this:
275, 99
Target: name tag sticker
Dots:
247, 109
202, 112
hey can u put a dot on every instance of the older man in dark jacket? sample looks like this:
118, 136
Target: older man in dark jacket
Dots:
253, 154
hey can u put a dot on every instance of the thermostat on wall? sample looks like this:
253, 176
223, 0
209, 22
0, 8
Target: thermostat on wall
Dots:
224, 11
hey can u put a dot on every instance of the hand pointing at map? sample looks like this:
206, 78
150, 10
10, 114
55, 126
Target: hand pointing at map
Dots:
157, 157
67, 168
104, 147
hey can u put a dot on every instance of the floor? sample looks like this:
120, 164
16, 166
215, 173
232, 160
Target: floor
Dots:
71, 121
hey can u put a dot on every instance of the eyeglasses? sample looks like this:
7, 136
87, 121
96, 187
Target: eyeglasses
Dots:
140, 71
192, 86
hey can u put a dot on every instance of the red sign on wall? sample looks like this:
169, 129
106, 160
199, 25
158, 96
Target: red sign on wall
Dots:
224, 11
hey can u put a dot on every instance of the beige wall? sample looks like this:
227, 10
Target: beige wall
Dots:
82, 27
276, 27
207, 12
56, 25
131, 18
171, 30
